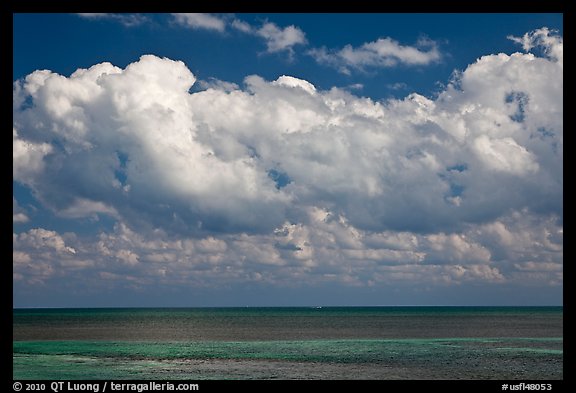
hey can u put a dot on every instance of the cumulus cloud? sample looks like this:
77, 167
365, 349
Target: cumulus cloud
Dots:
549, 40
325, 249
40, 238
143, 145
280, 182
129, 143
200, 21
27, 157
384, 52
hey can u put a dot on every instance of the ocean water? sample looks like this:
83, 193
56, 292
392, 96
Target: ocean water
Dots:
384, 343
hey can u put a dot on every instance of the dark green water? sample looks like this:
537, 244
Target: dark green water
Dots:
289, 343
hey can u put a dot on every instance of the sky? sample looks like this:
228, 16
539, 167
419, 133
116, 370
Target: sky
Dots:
287, 159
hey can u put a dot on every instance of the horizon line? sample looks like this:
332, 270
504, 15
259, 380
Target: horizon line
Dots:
293, 306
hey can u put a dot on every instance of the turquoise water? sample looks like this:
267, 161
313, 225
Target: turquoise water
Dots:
289, 343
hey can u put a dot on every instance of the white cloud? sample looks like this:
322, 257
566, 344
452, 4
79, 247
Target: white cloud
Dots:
522, 236
94, 15
146, 151
398, 86
242, 26
20, 217
280, 182
127, 256
384, 52
325, 249
83, 207
550, 40
290, 81
202, 161
39, 238
539, 266
27, 158
505, 155
200, 21
19, 258
127, 20
460, 273
217, 84
281, 39
277, 39
456, 248
356, 86
18, 214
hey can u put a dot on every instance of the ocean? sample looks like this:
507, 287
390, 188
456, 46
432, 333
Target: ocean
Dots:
344, 343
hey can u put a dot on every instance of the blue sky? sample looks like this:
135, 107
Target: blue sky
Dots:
287, 159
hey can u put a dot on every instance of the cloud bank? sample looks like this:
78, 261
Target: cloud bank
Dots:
278, 182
